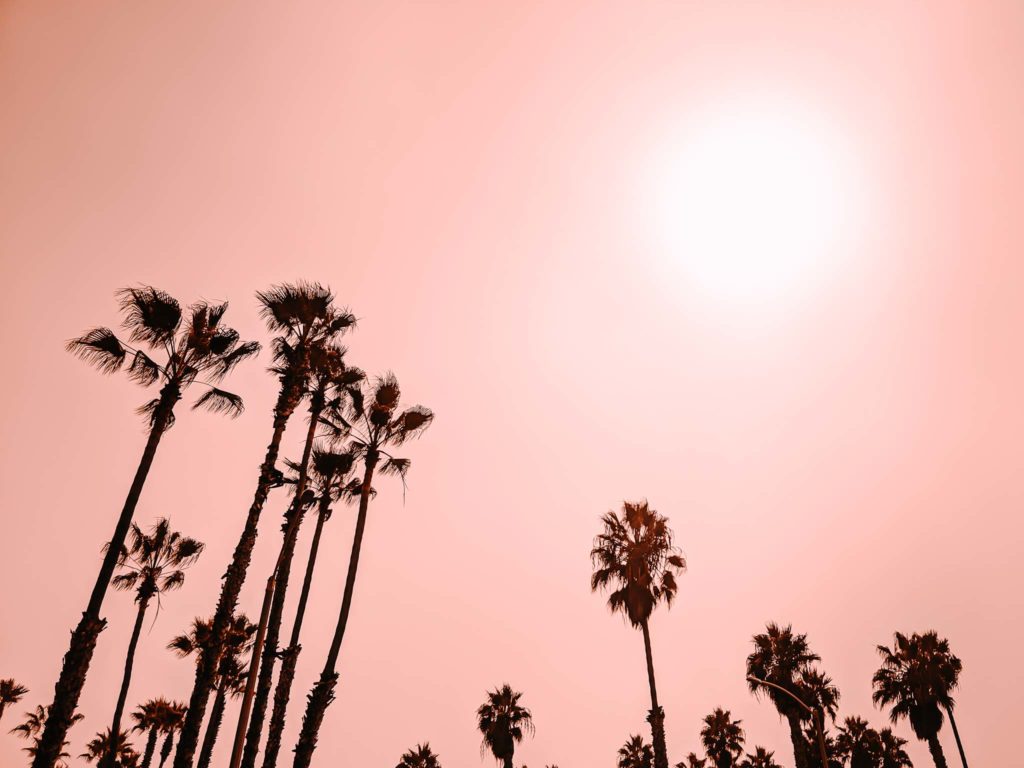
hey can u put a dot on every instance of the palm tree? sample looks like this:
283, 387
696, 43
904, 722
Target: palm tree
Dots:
11, 692
232, 672
303, 315
103, 746
722, 738
330, 475
782, 658
692, 761
149, 717
198, 348
859, 744
893, 754
916, 680
419, 756
635, 753
634, 556
759, 758
35, 722
152, 564
503, 723
374, 430
817, 690
330, 378
170, 723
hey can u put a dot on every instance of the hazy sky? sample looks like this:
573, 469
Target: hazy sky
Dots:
815, 373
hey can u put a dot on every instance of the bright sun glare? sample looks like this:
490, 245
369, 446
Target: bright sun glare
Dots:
755, 202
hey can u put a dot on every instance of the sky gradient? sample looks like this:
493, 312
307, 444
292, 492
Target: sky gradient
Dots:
481, 184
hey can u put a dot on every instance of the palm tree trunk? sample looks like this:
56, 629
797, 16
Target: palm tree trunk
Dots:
290, 655
956, 735
656, 717
936, 749
147, 757
799, 744
165, 750
83, 639
126, 681
277, 589
507, 761
234, 578
323, 692
213, 727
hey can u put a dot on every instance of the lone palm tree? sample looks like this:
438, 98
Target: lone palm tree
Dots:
149, 717
893, 754
419, 756
722, 738
503, 723
759, 758
11, 692
303, 315
152, 564
374, 430
916, 681
858, 744
635, 753
330, 476
191, 350
33, 726
635, 557
103, 746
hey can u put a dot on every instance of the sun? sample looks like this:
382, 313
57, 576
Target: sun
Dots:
755, 201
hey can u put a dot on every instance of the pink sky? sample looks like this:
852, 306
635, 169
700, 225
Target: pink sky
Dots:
473, 181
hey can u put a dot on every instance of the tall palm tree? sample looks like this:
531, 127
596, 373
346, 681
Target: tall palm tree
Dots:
503, 723
722, 738
152, 564
759, 758
893, 754
420, 756
330, 478
303, 315
692, 761
635, 753
916, 681
195, 349
32, 728
635, 557
231, 675
330, 378
149, 717
170, 723
858, 744
101, 747
11, 692
374, 430
782, 658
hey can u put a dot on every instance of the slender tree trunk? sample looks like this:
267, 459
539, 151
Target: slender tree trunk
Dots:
3, 706
234, 578
147, 757
956, 735
507, 761
277, 589
83, 639
656, 717
323, 692
799, 744
213, 727
165, 750
290, 655
126, 681
936, 749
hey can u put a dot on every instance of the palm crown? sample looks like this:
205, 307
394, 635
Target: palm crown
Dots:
760, 758
419, 756
503, 722
722, 738
155, 562
11, 692
635, 753
782, 658
33, 726
892, 753
124, 752
238, 641
858, 744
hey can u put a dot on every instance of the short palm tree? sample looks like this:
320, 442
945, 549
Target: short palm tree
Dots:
32, 728
186, 351
152, 564
692, 761
916, 681
759, 758
420, 756
103, 746
635, 753
722, 738
149, 717
170, 723
893, 754
302, 315
858, 744
11, 692
374, 429
634, 556
503, 723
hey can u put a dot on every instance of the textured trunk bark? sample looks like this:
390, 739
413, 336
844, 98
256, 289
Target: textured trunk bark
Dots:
212, 728
126, 681
956, 735
799, 744
317, 702
147, 756
656, 717
83, 640
936, 749
507, 762
165, 750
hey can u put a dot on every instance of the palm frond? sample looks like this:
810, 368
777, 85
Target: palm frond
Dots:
143, 369
218, 401
100, 348
151, 315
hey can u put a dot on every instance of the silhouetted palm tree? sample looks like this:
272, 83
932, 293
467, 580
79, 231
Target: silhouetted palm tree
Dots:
858, 744
759, 758
692, 761
782, 658
503, 723
916, 681
151, 564
170, 723
374, 430
33, 726
893, 754
198, 348
11, 692
634, 556
419, 756
722, 738
330, 477
103, 746
302, 315
149, 717
635, 753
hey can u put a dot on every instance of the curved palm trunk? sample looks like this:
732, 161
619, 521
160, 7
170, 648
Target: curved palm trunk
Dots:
213, 727
936, 749
656, 717
323, 692
956, 735
147, 756
277, 589
290, 655
206, 670
165, 750
799, 744
83, 639
109, 759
